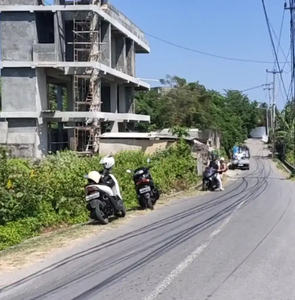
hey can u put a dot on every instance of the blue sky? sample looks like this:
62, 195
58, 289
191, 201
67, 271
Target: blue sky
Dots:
229, 28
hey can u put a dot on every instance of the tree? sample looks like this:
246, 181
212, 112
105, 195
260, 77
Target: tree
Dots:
285, 132
0, 97
187, 105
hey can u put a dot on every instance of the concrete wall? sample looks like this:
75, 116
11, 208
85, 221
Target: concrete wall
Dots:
24, 90
3, 132
258, 132
44, 52
18, 34
18, 89
112, 146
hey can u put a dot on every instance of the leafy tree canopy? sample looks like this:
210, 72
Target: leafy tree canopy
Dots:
191, 105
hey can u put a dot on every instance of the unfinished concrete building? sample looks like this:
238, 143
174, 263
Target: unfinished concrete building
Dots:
67, 75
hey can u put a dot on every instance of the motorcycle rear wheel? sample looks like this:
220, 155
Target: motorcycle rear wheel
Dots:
98, 214
149, 203
205, 186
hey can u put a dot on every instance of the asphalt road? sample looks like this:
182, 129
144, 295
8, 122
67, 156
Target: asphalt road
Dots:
236, 244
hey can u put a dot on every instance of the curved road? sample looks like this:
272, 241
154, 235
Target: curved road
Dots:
236, 244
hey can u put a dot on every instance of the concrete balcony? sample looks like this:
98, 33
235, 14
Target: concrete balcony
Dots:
127, 23
44, 52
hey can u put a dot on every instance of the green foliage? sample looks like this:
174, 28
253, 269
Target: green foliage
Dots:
285, 132
36, 196
191, 105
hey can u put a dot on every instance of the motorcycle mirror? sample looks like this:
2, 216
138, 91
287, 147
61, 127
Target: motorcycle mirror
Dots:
128, 171
148, 160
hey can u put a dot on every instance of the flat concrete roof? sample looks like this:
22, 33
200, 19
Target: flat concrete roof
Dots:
94, 8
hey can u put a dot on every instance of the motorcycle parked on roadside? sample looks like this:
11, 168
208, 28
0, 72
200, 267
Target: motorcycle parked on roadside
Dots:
210, 182
103, 195
146, 190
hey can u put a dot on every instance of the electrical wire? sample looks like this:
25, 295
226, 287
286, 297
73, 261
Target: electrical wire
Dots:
273, 47
206, 53
279, 47
253, 88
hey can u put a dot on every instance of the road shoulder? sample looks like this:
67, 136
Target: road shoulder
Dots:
46, 246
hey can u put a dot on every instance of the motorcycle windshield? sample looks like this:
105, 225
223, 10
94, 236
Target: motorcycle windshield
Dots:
209, 172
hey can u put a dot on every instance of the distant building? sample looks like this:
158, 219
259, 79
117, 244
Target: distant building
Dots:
86, 47
162, 90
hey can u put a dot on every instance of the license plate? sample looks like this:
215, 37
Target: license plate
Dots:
145, 190
240, 165
92, 196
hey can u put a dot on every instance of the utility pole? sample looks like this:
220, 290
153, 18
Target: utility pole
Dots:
292, 44
268, 88
274, 72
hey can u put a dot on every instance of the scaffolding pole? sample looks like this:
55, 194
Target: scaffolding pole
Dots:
87, 87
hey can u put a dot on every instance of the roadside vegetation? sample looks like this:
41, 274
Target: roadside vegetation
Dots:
285, 134
35, 196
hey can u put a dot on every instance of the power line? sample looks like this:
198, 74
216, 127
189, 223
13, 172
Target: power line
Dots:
273, 47
253, 88
208, 54
279, 41
280, 34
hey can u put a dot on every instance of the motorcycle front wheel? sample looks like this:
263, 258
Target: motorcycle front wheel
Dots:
122, 212
206, 185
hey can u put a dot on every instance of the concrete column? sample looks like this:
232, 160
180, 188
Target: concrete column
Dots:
59, 101
71, 107
41, 140
59, 36
106, 46
130, 57
129, 96
114, 105
113, 52
122, 99
121, 54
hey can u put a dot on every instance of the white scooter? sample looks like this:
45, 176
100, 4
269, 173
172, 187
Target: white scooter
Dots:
103, 195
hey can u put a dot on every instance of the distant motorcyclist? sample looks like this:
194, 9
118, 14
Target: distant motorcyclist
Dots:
223, 166
215, 164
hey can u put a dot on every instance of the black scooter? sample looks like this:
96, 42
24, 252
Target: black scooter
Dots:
210, 182
146, 190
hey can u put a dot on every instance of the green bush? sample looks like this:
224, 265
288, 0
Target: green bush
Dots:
34, 196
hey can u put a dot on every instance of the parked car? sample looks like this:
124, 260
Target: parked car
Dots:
241, 158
